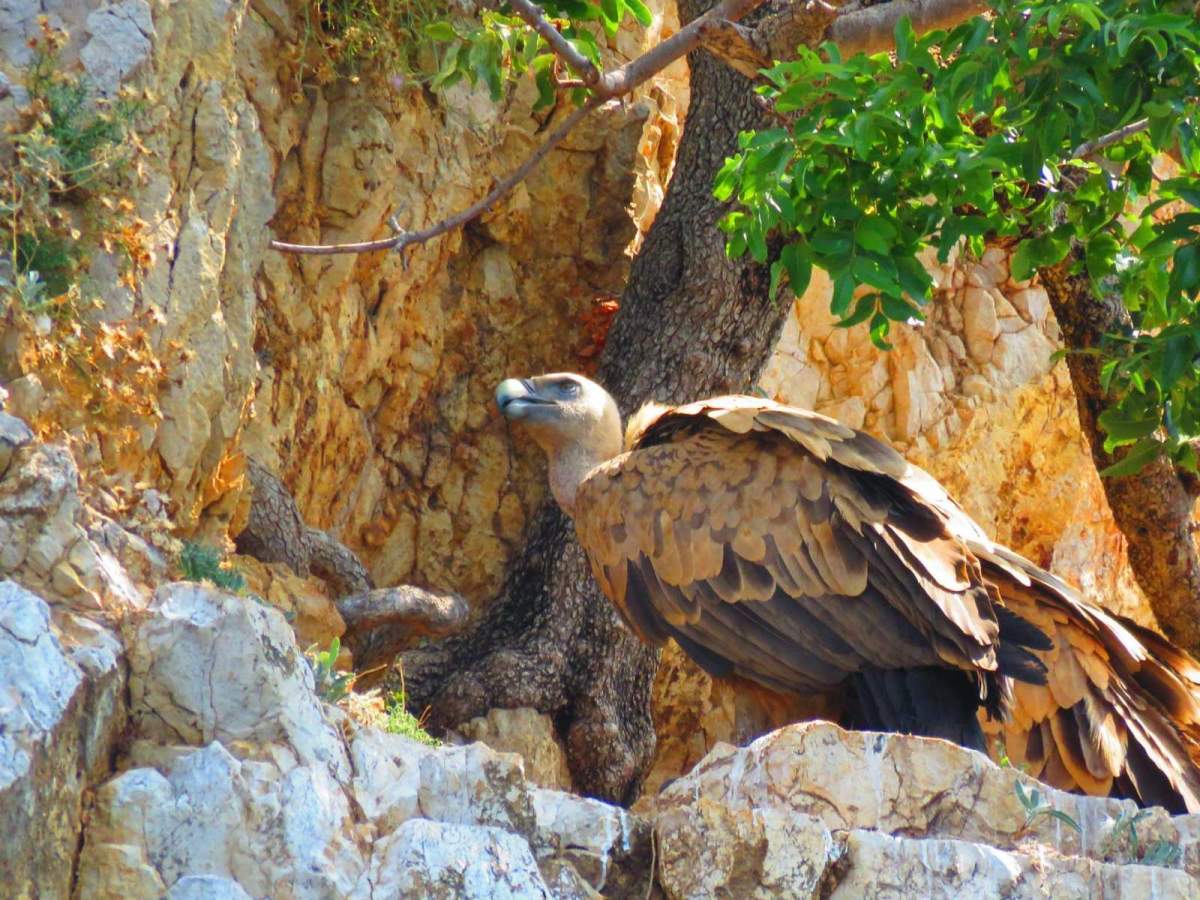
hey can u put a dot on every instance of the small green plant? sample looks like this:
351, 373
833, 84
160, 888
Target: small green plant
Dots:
401, 721
1002, 759
1036, 809
71, 151
382, 36
1123, 843
331, 685
200, 562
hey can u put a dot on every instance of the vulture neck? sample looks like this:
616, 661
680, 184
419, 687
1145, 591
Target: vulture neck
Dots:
572, 461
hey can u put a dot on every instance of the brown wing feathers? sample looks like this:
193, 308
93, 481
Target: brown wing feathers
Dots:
781, 546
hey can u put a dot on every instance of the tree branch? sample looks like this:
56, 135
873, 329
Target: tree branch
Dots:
1091, 148
608, 86
406, 238
791, 23
535, 19
871, 30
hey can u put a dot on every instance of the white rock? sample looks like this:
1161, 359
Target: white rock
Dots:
120, 43
207, 666
814, 810
209, 813
437, 860
58, 722
206, 887
387, 776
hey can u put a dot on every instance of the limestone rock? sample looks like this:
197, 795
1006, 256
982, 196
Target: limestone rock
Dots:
120, 42
208, 813
608, 848
261, 793
448, 862
45, 541
61, 711
208, 666
14, 434
530, 735
812, 810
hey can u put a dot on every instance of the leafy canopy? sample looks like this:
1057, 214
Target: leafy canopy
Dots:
972, 135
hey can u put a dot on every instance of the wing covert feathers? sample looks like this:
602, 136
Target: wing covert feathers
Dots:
780, 546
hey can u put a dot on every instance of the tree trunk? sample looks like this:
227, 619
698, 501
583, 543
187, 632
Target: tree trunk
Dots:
1153, 507
692, 323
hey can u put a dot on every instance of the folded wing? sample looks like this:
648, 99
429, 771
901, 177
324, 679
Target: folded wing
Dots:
778, 545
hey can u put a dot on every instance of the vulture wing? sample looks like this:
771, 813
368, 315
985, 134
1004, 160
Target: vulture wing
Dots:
778, 545
1120, 710
781, 546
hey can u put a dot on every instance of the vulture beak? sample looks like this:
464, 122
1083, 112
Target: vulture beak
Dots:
518, 398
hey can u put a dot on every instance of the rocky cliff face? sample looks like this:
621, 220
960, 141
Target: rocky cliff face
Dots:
159, 738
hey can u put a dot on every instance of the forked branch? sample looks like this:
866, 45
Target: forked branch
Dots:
776, 34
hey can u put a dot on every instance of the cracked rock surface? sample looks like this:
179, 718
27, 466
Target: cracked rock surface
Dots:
812, 810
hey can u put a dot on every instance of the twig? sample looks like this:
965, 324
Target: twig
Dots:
535, 19
1091, 148
865, 29
608, 86
407, 238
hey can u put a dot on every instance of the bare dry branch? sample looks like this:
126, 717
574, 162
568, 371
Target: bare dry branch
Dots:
609, 86
408, 238
790, 23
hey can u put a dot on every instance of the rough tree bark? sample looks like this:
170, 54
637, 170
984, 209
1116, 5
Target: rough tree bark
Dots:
692, 323
1153, 508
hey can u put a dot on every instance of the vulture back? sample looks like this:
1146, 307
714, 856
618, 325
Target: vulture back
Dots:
780, 546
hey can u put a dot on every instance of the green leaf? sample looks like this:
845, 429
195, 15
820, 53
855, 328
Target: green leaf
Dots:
878, 272
777, 270
440, 31
875, 234
1123, 428
641, 12
1139, 456
1064, 818
880, 326
843, 290
1034, 253
612, 13
1100, 254
799, 267
864, 307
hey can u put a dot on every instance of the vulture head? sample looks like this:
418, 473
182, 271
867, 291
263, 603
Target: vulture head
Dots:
572, 418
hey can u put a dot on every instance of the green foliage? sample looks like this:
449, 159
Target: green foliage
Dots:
1035, 809
331, 685
501, 46
401, 721
971, 136
1123, 843
424, 40
200, 562
386, 36
68, 147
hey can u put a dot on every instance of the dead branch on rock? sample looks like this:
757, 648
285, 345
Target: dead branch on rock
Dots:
775, 36
276, 532
379, 623
382, 623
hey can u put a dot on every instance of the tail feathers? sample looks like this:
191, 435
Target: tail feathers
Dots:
929, 701
1018, 639
1116, 709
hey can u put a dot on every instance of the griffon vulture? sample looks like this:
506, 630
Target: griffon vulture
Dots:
780, 546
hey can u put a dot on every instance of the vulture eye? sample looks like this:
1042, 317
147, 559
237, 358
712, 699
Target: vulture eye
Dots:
569, 388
